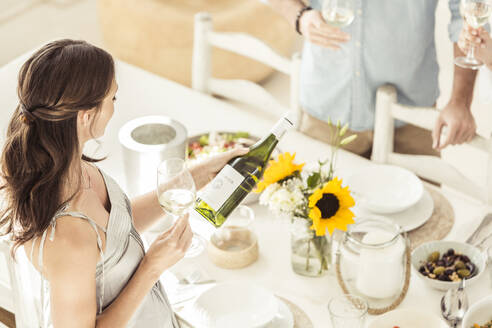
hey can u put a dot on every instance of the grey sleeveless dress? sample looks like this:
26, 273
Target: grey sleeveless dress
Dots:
123, 253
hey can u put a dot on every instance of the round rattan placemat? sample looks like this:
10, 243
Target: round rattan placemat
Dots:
438, 226
301, 320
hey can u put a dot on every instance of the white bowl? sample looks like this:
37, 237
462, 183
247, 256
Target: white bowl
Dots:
235, 304
385, 188
420, 254
480, 312
406, 318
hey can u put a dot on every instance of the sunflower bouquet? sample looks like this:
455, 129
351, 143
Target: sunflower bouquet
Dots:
314, 199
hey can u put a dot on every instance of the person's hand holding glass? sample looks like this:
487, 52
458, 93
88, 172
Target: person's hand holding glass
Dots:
481, 42
476, 14
176, 192
324, 28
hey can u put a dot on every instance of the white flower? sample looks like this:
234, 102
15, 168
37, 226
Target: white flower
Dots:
267, 193
285, 199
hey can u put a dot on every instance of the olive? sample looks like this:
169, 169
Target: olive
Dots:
465, 258
450, 251
443, 277
422, 269
449, 261
463, 273
471, 267
448, 272
439, 270
433, 257
440, 263
459, 265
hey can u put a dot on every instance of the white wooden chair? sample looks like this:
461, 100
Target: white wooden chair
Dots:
429, 167
241, 90
19, 294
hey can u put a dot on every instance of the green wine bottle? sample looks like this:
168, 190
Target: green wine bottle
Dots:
233, 183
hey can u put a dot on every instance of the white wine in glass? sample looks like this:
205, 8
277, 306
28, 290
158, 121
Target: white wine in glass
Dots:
338, 13
177, 201
476, 14
176, 193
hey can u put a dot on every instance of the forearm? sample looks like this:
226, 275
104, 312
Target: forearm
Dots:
119, 313
288, 8
463, 83
146, 211
201, 176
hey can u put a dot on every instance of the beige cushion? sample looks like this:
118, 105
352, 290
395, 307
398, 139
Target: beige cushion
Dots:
157, 35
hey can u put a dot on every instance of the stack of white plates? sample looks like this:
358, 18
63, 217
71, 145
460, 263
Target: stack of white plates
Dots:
391, 191
240, 305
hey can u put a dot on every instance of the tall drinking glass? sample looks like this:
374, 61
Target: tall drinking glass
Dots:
338, 13
476, 14
348, 311
176, 192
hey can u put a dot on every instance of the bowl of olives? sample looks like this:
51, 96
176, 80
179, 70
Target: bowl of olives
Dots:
443, 264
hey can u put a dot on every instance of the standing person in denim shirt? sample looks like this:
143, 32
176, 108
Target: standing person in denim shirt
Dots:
389, 42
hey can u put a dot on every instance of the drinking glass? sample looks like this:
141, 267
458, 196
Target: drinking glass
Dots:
236, 234
348, 311
476, 13
338, 13
176, 192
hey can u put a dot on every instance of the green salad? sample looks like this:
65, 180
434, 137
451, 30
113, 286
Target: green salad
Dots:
214, 143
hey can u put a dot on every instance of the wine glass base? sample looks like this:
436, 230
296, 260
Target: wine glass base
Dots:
465, 62
197, 246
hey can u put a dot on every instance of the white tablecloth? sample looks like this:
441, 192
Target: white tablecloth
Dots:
142, 93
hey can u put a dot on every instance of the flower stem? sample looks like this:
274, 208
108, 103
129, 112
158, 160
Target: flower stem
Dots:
308, 255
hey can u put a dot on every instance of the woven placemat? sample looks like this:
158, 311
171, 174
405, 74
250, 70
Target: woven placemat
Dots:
438, 226
301, 320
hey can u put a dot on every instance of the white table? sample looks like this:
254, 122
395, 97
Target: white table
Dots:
142, 93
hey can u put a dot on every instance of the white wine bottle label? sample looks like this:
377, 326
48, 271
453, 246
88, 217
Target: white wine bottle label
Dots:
221, 187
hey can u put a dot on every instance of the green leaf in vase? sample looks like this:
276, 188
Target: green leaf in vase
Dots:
314, 180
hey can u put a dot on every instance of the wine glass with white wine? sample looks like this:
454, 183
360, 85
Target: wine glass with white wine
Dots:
338, 13
176, 192
476, 14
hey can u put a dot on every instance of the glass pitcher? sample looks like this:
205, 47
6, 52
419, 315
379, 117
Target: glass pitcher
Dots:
373, 261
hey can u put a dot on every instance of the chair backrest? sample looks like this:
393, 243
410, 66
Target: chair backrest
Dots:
241, 90
429, 167
6, 285
20, 294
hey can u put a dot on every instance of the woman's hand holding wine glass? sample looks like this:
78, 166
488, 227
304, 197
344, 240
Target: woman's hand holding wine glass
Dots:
169, 247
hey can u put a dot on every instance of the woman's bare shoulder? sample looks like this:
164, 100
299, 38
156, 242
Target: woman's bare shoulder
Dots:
74, 245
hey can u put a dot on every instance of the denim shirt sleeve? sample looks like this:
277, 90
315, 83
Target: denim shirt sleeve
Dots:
456, 22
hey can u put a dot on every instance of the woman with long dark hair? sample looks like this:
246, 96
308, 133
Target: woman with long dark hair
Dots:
77, 226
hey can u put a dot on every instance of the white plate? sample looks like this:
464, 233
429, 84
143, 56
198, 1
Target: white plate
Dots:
480, 312
409, 219
284, 318
406, 318
385, 188
235, 304
420, 254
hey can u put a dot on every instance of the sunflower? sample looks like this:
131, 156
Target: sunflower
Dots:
278, 170
329, 208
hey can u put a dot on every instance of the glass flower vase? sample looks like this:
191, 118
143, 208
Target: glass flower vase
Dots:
310, 254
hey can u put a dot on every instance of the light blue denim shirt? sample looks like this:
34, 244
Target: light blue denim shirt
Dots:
392, 41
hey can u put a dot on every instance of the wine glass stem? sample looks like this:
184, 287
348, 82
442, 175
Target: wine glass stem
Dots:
471, 54
334, 6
